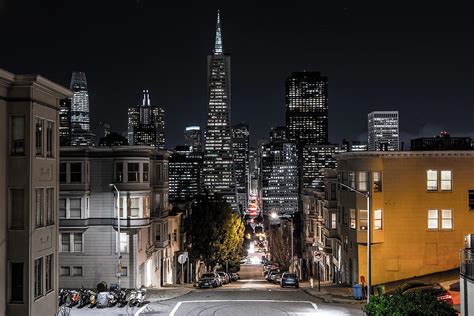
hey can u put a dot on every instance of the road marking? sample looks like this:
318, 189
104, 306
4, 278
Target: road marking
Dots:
177, 306
140, 310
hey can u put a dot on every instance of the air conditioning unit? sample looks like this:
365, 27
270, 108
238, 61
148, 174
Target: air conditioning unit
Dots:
469, 241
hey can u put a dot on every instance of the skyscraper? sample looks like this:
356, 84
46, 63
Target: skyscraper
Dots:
307, 108
146, 124
81, 134
184, 174
192, 138
383, 130
65, 122
218, 169
240, 145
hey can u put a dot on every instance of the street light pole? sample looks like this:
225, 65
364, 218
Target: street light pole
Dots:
369, 233
119, 255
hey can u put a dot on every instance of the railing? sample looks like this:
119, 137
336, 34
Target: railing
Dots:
467, 263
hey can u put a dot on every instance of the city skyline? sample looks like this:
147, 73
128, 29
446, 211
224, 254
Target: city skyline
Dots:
365, 70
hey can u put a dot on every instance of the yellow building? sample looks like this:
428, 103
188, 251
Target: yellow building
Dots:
422, 207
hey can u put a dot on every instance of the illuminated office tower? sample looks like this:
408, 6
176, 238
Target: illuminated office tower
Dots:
81, 134
192, 138
383, 130
240, 145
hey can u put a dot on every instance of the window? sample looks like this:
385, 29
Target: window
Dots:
17, 134
333, 220
123, 242
65, 242
65, 271
175, 235
345, 215
39, 202
75, 172
48, 277
71, 242
77, 242
362, 219
377, 219
165, 231
38, 277
146, 172
158, 232
118, 172
446, 180
377, 181
432, 180
39, 137
159, 173
134, 207
62, 208
76, 271
75, 208
132, 171
121, 207
470, 194
16, 282
124, 271
146, 206
363, 181
446, 219
432, 219
17, 208
49, 206
49, 138
62, 172
353, 218
352, 179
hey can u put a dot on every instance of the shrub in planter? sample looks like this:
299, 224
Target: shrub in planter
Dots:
408, 304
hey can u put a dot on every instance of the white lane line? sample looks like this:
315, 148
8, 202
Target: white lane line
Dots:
140, 310
177, 306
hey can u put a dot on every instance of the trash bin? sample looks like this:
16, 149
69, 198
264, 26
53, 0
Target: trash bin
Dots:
358, 295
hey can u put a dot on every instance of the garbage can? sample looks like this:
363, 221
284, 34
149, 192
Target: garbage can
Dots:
357, 291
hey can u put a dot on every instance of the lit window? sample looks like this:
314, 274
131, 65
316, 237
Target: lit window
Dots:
377, 181
377, 219
362, 219
353, 219
363, 181
123, 242
432, 180
333, 220
446, 180
446, 219
352, 179
432, 219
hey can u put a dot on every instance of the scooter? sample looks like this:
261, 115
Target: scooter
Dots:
137, 297
72, 298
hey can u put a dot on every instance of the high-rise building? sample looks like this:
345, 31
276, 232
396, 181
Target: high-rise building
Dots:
240, 144
65, 122
383, 130
316, 158
146, 124
81, 134
192, 138
184, 174
442, 142
218, 169
353, 145
29, 106
307, 108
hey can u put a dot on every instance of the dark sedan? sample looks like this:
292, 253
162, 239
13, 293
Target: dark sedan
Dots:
208, 280
435, 290
289, 279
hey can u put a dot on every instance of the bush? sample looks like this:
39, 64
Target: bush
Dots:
407, 305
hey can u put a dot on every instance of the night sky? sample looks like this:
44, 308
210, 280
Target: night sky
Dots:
415, 58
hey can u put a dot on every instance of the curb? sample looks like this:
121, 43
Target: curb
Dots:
159, 299
327, 298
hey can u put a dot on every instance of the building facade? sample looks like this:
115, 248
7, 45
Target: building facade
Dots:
421, 210
193, 138
241, 145
81, 134
184, 174
88, 232
65, 122
29, 156
315, 158
383, 131
218, 168
442, 142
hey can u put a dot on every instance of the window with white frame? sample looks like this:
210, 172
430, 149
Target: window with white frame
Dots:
362, 219
70, 207
123, 242
71, 242
75, 172
333, 221
62, 208
39, 207
446, 180
447, 219
157, 232
432, 219
377, 219
133, 172
432, 180
363, 181
352, 179
134, 207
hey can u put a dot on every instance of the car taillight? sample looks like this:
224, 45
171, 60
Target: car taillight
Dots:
446, 297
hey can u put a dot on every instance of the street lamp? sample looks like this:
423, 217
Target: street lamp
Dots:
369, 246
119, 258
274, 215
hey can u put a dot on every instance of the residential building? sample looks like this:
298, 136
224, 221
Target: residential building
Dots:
240, 145
88, 238
146, 124
29, 155
218, 167
442, 142
81, 134
383, 131
421, 209
192, 138
184, 174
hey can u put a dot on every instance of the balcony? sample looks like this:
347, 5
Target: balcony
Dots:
162, 243
125, 223
467, 263
132, 222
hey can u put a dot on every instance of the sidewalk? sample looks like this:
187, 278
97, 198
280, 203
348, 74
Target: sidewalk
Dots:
168, 292
331, 293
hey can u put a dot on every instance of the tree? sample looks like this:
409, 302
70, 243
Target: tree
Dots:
216, 232
280, 247
409, 304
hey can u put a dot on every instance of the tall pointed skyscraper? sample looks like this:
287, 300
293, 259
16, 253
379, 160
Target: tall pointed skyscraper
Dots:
81, 134
218, 170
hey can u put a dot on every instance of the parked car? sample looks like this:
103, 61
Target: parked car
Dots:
289, 279
409, 285
272, 275
224, 276
435, 290
235, 276
208, 280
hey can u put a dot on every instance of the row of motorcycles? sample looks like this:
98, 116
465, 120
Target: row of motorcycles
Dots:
114, 297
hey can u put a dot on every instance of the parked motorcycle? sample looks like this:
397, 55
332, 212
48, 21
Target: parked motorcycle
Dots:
92, 299
62, 296
137, 297
72, 298
121, 297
